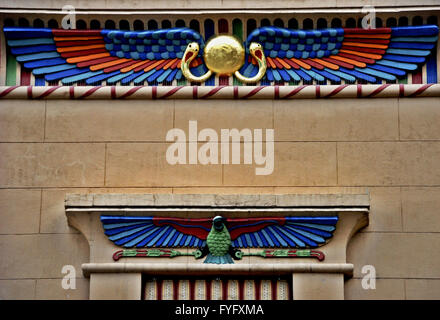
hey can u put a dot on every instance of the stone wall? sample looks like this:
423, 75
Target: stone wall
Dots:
390, 147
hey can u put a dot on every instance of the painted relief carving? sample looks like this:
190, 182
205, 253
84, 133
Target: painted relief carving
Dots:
219, 239
224, 55
269, 54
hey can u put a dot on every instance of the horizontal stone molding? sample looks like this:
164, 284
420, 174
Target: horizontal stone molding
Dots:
113, 7
213, 269
221, 92
100, 202
141, 211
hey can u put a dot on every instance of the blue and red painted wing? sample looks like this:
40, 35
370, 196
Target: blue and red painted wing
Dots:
284, 232
264, 232
337, 54
96, 56
142, 232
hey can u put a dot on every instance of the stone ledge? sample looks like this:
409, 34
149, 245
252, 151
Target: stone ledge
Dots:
222, 92
207, 269
111, 7
245, 201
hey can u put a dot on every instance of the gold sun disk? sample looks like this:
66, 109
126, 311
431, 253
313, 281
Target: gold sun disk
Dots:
224, 55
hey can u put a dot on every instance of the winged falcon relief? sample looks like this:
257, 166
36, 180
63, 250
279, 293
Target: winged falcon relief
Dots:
269, 54
219, 239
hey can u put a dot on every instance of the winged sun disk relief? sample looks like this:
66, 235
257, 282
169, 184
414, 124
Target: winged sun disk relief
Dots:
333, 54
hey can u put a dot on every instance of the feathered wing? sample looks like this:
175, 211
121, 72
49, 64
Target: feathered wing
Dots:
337, 54
264, 232
142, 232
94, 56
285, 232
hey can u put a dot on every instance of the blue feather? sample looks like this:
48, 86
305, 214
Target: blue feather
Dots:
409, 52
389, 70
401, 58
119, 77
293, 75
414, 45
303, 75
376, 73
359, 75
29, 42
327, 75
415, 31
168, 242
399, 65
32, 49
269, 75
45, 70
163, 76
101, 77
284, 74
131, 77
120, 230
144, 76
79, 77
172, 75
155, 75
341, 74
25, 33
64, 74
313, 74
276, 75
37, 56
44, 63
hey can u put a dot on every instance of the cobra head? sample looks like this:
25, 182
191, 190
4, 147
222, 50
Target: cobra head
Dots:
218, 223
256, 49
192, 50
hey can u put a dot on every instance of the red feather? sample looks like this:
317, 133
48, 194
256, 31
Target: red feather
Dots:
195, 227
237, 227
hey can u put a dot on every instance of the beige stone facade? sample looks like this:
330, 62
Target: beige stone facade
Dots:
388, 148
400, 174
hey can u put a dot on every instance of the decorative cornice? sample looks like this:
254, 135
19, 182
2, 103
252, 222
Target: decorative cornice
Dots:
221, 92
230, 202
169, 8
210, 269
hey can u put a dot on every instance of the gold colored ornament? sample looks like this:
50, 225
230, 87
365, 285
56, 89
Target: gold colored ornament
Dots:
256, 51
223, 55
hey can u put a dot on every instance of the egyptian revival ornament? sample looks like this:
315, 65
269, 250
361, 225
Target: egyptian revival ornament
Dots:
224, 55
269, 54
219, 239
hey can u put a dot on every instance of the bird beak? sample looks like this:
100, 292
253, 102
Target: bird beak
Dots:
258, 53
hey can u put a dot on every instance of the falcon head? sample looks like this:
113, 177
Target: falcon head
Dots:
218, 223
